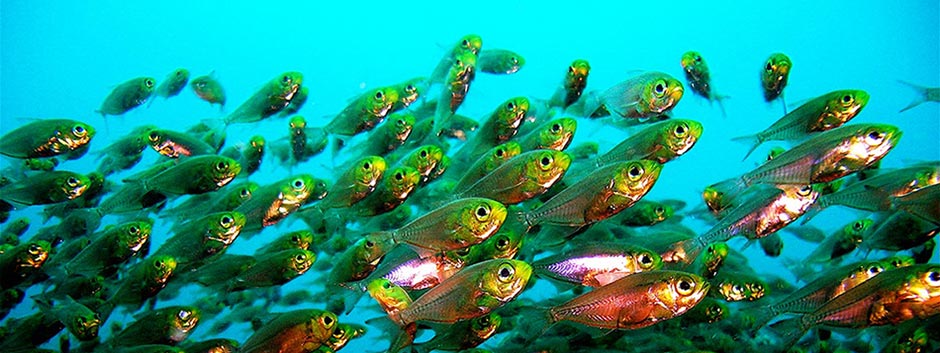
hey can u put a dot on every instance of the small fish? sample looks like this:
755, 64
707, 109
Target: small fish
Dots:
359, 260
169, 325
468, 43
389, 136
272, 203
143, 281
270, 99
426, 159
364, 112
734, 287
456, 225
772, 245
899, 230
272, 270
46, 138
890, 298
597, 265
463, 334
699, 77
644, 95
554, 134
490, 160
111, 248
409, 92
300, 239
46, 188
630, 303
774, 76
390, 193
203, 238
875, 193
826, 112
572, 86
500, 61
501, 125
81, 321
209, 89
342, 334
228, 199
174, 144
192, 176
125, 152
173, 84
355, 183
127, 96
505, 244
712, 259
924, 94
842, 242
22, 261
924, 203
646, 213
825, 157
295, 331
521, 178
456, 85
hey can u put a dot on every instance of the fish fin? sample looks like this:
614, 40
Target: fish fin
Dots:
788, 332
540, 320
762, 314
811, 212
921, 96
784, 101
752, 140
719, 99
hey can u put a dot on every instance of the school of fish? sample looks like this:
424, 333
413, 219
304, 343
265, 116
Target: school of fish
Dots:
435, 223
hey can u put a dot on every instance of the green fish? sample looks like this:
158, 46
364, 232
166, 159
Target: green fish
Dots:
500, 61
296, 103
355, 183
359, 260
125, 152
456, 85
840, 243
699, 77
597, 264
195, 242
170, 325
393, 190
409, 92
712, 259
209, 89
193, 176
387, 137
174, 144
127, 96
46, 138
143, 281
296, 331
772, 245
463, 334
215, 138
301, 239
456, 225
19, 263
173, 84
521, 178
228, 198
572, 86
923, 203
505, 244
110, 248
272, 203
822, 113
216, 345
774, 76
734, 287
273, 270
644, 95
899, 231
554, 134
270, 99
825, 157
501, 126
469, 43
45, 188
708, 310
364, 112
342, 334
875, 193
487, 163
924, 94
600, 195
646, 213
81, 321
426, 159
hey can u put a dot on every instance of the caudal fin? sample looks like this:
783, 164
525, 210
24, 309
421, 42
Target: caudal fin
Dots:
752, 140
920, 98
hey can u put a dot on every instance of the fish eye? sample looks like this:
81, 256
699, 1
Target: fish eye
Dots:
226, 221
379, 95
221, 166
183, 315
737, 288
510, 106
179, 73
158, 264
933, 278
71, 182
646, 260
400, 122
465, 43
244, 193
805, 190
858, 226
874, 270
328, 321
133, 230
148, 82
410, 88
635, 172
154, 136
300, 258
505, 273
424, 153
556, 128
698, 58
399, 176
500, 152
482, 211
295, 239
502, 243
545, 161
681, 129
847, 99
685, 286
369, 243
387, 285
659, 210
78, 130
514, 60
298, 184
339, 332
34, 249
875, 137
570, 69
462, 252
366, 166
660, 88
200, 85
286, 79
769, 67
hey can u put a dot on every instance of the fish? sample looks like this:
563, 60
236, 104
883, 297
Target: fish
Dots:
173, 84
455, 225
826, 112
170, 325
272, 270
199, 240
19, 263
46, 138
270, 99
364, 112
355, 183
272, 203
46, 188
392, 192
630, 303
555, 134
296, 102
387, 137
500, 61
471, 43
488, 162
521, 178
174, 144
699, 77
774, 76
127, 95
81, 322
209, 89
924, 203
110, 248
597, 265
459, 77
501, 125
875, 193
463, 334
736, 286
192, 176
297, 331
572, 86
125, 152
642, 95
924, 94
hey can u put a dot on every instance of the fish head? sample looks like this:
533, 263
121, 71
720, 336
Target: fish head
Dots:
391, 297
159, 268
75, 135
856, 229
224, 227
678, 136
693, 64
774, 75
504, 279
558, 133
369, 170
85, 327
298, 261
660, 93
381, 100
134, 234
411, 90
297, 189
147, 85
402, 180
288, 83
923, 288
636, 178
184, 320
320, 189
321, 325
682, 291
34, 254
549, 166
481, 217
502, 153
301, 239
502, 245
297, 122
484, 326
646, 260
71, 185
841, 107
471, 43
182, 75
402, 126
223, 170
578, 71
713, 257
871, 142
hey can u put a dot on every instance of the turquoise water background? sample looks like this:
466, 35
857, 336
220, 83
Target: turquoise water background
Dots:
61, 58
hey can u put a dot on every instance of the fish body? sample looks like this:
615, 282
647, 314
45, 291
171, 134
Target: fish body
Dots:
521, 178
364, 112
597, 265
46, 138
572, 86
644, 95
46, 188
127, 96
500, 61
775, 75
270, 99
296, 331
209, 89
173, 84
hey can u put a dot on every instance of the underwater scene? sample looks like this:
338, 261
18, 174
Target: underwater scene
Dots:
493, 176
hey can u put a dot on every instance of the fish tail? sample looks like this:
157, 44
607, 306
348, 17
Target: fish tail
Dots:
921, 95
752, 140
719, 98
788, 332
784, 101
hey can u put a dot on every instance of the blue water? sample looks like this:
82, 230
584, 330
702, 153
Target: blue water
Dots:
60, 59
